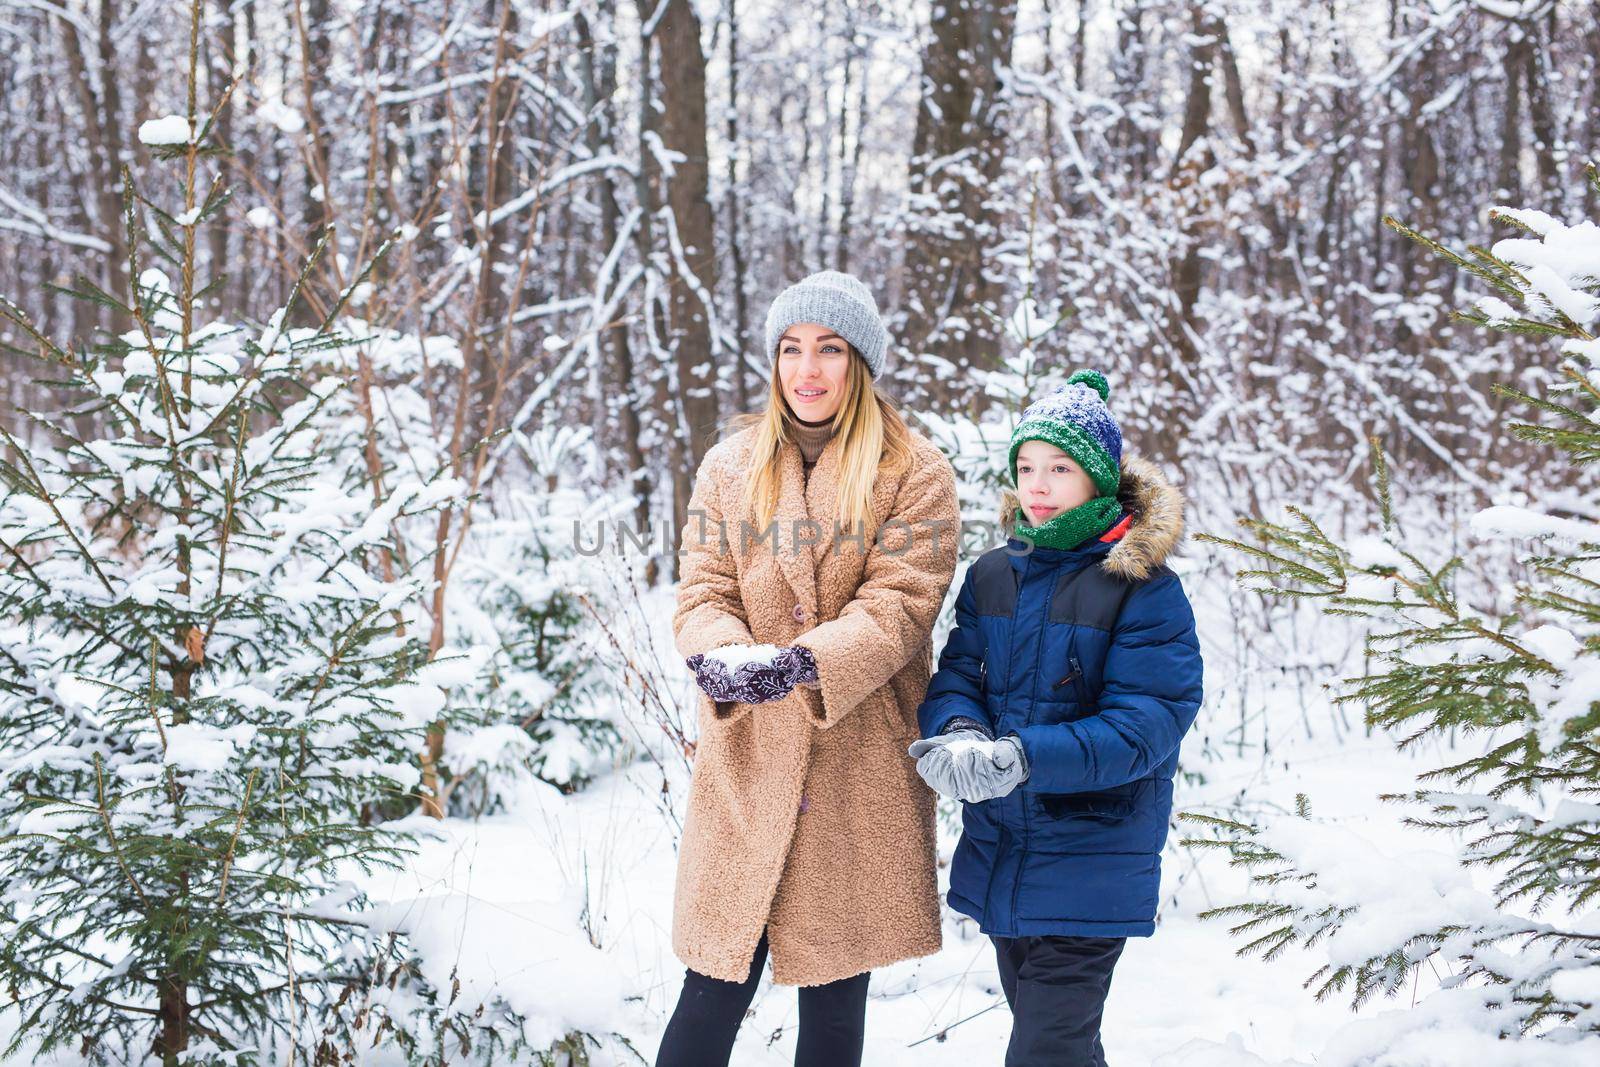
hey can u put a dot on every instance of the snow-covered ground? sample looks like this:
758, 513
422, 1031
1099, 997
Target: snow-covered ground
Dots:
562, 906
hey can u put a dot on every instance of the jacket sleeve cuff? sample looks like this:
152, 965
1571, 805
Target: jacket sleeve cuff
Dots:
962, 722
935, 716
706, 629
725, 711
839, 685
1046, 749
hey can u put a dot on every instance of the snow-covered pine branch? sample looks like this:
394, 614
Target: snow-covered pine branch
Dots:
209, 697
1518, 682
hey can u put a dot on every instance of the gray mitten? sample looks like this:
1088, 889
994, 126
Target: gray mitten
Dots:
947, 762
958, 725
1004, 768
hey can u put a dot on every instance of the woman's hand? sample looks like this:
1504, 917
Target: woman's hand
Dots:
755, 681
712, 676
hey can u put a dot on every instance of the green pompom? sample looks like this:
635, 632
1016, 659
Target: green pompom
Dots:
1094, 380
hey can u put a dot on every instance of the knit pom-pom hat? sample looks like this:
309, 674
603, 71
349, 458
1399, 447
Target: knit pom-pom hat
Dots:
1076, 420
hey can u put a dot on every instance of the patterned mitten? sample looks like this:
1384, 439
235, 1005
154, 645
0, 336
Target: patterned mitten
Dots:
712, 676
798, 665
757, 681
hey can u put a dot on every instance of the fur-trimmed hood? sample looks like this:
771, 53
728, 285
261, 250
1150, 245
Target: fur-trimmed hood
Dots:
1156, 507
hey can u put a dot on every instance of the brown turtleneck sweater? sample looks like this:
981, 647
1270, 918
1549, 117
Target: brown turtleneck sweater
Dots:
812, 437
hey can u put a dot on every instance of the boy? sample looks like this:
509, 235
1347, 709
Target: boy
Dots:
1071, 675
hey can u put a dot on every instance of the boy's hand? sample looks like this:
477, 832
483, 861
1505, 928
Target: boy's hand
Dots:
949, 763
1004, 770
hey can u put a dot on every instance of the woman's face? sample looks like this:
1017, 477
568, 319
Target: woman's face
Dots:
812, 362
1049, 482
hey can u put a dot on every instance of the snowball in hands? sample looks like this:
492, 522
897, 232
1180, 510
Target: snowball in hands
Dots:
735, 656
752, 674
950, 762
969, 766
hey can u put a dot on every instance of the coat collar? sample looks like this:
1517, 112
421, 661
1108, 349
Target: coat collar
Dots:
799, 498
1153, 507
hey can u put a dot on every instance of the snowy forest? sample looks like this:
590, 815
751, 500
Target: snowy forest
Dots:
358, 358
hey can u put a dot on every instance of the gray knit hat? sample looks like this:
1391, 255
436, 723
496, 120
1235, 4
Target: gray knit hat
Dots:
835, 300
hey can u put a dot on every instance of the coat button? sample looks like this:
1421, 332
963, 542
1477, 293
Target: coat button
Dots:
805, 804
799, 613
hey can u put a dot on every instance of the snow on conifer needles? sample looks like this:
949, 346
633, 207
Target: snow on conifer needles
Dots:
1518, 683
205, 698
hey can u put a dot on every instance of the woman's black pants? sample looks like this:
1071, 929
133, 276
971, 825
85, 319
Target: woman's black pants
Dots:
1056, 987
833, 1020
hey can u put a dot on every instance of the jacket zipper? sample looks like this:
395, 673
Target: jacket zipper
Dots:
1006, 844
1074, 675
1070, 675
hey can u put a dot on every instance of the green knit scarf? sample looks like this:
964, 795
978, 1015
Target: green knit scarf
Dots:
1073, 527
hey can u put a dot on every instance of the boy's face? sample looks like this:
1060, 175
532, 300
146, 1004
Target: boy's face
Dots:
1049, 482
812, 364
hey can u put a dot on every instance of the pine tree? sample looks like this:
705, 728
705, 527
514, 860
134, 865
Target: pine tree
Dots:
528, 696
545, 703
1520, 686
203, 684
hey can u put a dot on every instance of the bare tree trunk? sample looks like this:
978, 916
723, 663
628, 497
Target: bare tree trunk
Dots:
1588, 117
219, 53
1516, 65
1419, 167
317, 210
1135, 146
855, 72
1081, 21
958, 146
682, 69
1382, 241
1047, 133
1546, 140
741, 309
1233, 87
1197, 100
100, 101
832, 135
619, 385
1192, 160
794, 243
498, 172
847, 203
651, 392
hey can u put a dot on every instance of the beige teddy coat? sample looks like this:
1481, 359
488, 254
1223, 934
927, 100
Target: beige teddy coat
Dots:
846, 884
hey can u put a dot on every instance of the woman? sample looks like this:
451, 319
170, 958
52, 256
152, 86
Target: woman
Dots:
809, 835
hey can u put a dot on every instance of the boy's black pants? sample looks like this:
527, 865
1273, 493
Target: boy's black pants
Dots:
1056, 987
833, 1020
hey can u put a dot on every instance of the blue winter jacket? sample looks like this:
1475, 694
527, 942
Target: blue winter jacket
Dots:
1089, 656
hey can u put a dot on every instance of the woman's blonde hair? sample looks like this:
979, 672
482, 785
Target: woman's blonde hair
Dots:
869, 432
